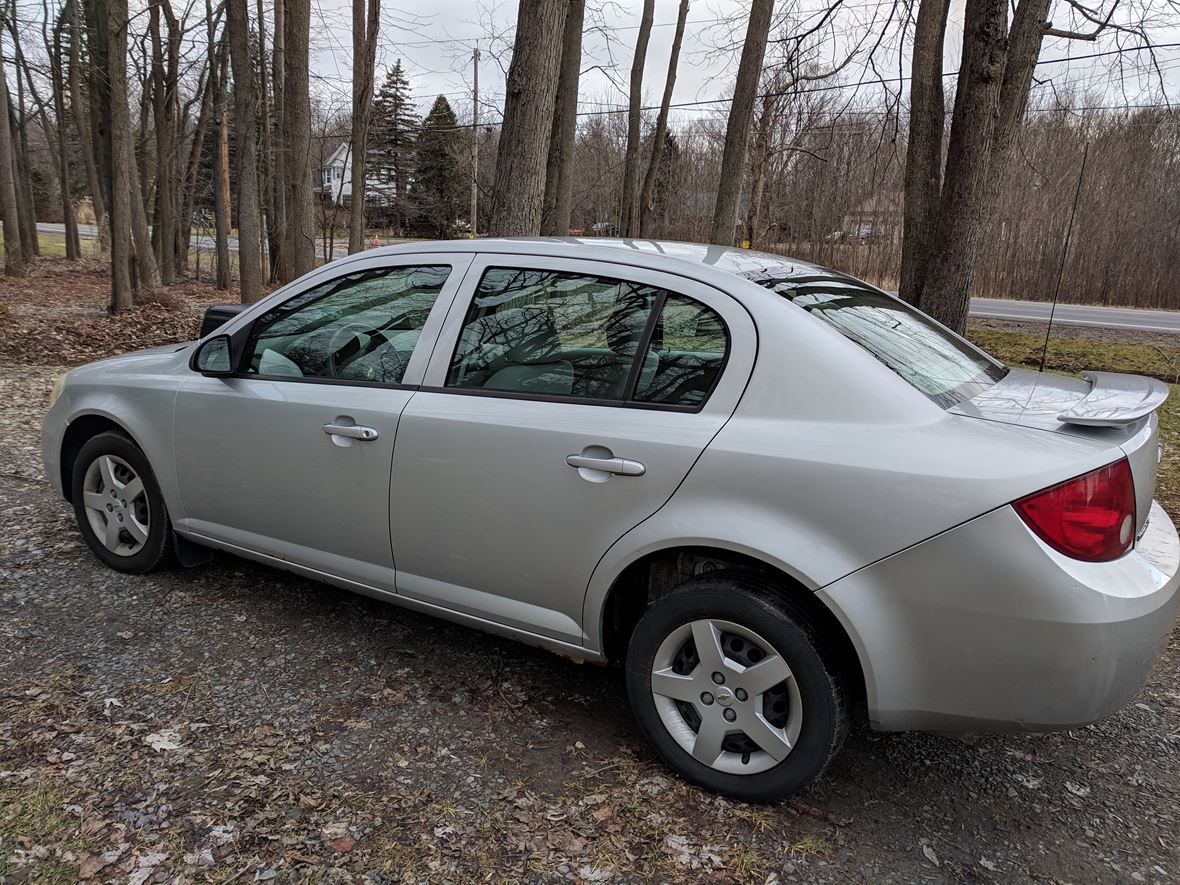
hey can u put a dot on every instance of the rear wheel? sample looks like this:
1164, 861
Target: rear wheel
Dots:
735, 688
118, 504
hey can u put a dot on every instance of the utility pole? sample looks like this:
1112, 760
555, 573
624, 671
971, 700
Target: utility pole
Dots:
475, 138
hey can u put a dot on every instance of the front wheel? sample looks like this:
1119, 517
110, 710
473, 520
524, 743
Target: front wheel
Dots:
118, 504
736, 689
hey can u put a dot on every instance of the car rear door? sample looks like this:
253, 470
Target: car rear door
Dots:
565, 402
291, 457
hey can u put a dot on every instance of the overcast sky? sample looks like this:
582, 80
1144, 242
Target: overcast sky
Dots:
434, 41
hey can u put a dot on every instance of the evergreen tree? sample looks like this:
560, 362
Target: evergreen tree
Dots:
391, 142
439, 186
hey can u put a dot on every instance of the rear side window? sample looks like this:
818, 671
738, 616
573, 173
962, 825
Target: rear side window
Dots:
361, 327
941, 365
578, 336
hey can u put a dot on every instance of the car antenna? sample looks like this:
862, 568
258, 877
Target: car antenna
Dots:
1064, 254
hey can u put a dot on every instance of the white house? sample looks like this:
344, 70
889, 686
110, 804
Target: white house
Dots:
336, 179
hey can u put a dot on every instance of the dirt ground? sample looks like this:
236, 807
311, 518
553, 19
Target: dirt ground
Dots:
236, 723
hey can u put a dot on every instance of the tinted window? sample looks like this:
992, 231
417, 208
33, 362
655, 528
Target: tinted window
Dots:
552, 334
687, 353
361, 327
941, 365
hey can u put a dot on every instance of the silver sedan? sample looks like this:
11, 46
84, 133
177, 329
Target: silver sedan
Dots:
778, 497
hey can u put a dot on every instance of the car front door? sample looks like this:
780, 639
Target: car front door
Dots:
291, 456
565, 402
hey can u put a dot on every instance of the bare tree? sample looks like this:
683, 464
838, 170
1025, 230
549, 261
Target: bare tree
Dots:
246, 127
217, 76
111, 18
923, 168
559, 169
737, 132
647, 195
297, 138
58, 86
14, 260
364, 63
629, 212
528, 118
83, 127
165, 71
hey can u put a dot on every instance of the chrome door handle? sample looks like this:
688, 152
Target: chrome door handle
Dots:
617, 466
351, 431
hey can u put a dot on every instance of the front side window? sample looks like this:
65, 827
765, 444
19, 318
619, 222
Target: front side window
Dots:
942, 366
360, 328
552, 334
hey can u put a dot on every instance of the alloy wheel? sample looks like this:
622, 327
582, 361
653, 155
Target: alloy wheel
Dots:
726, 696
116, 505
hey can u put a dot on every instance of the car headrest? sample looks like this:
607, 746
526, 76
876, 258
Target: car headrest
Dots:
627, 321
513, 336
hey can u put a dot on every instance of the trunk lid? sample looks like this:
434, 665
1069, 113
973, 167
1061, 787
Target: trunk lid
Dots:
1102, 406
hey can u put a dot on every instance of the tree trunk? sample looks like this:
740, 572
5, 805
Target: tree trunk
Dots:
278, 172
246, 127
528, 118
57, 83
26, 205
364, 61
266, 185
14, 259
923, 162
113, 21
964, 212
297, 138
647, 196
164, 101
737, 130
217, 65
629, 211
759, 161
559, 178
85, 130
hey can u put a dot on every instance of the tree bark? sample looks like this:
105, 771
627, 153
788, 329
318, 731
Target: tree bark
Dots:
528, 118
297, 140
266, 185
246, 127
165, 72
14, 259
559, 179
113, 21
84, 129
365, 20
923, 162
737, 130
57, 83
280, 269
647, 196
964, 212
217, 65
629, 210
759, 161
193, 168
18, 124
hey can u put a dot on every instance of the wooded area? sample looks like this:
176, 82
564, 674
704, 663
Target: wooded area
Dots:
165, 122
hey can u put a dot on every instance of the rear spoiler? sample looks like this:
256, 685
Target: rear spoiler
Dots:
1115, 400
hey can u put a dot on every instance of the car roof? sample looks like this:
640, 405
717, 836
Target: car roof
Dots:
691, 259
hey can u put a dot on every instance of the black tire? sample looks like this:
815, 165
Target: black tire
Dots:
156, 551
748, 600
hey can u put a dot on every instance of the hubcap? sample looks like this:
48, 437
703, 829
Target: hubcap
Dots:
726, 696
116, 505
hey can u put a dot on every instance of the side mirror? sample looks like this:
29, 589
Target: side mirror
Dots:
213, 358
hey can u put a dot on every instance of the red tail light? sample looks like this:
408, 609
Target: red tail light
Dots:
1090, 517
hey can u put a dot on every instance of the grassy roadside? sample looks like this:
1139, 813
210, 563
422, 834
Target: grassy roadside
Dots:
1071, 355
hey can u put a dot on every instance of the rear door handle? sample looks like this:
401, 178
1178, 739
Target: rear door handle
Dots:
617, 466
351, 431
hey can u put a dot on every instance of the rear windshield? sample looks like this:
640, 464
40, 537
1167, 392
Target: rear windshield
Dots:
941, 365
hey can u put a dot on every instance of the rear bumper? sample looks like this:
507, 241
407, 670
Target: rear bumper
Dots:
986, 628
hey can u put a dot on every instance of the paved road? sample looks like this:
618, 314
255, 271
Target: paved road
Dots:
1129, 318
199, 241
1077, 315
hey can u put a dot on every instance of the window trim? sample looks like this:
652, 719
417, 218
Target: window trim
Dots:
466, 301
244, 324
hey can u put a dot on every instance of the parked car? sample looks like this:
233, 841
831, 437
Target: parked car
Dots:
777, 496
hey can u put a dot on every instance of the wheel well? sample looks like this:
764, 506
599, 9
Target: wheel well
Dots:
80, 430
659, 573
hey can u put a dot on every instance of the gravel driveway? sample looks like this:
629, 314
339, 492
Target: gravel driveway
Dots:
233, 722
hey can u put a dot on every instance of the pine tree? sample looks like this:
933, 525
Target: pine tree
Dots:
439, 188
391, 142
